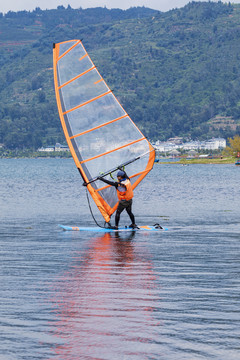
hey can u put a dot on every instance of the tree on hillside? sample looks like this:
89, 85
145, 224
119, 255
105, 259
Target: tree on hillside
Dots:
234, 147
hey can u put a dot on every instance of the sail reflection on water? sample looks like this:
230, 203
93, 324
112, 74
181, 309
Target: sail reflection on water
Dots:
105, 303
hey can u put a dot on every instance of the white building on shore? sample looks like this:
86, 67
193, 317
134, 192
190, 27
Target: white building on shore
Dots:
212, 144
215, 144
57, 147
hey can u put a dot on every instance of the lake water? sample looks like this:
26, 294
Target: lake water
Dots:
76, 295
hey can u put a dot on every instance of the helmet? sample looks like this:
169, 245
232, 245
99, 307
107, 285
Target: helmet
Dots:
121, 173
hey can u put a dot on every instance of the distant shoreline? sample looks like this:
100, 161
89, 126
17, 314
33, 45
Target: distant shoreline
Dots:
200, 161
64, 155
35, 155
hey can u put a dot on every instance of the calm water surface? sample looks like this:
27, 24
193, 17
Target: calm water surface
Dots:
71, 295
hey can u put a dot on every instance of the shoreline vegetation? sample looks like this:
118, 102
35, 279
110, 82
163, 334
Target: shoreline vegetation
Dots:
23, 154
183, 161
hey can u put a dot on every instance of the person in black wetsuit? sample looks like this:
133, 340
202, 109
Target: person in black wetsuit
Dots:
125, 195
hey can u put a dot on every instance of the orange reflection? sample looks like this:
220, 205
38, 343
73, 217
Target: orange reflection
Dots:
105, 302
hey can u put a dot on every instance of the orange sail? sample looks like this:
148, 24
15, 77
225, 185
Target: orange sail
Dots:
100, 134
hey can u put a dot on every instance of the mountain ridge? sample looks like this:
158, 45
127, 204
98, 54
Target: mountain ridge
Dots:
173, 72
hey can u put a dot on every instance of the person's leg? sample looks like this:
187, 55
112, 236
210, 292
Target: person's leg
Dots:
129, 211
120, 208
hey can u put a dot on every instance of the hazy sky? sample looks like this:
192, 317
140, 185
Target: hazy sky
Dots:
162, 5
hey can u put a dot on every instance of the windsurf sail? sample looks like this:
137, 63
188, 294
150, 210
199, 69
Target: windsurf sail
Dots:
100, 134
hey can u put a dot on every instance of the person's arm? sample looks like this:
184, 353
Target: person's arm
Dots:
112, 183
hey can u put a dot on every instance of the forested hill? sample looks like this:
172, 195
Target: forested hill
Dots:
175, 73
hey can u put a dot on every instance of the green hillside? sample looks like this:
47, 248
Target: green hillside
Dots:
173, 72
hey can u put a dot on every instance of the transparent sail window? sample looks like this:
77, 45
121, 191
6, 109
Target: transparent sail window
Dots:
83, 89
73, 64
109, 194
63, 47
110, 161
95, 113
107, 138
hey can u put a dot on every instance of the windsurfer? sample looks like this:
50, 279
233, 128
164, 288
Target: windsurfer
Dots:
125, 196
